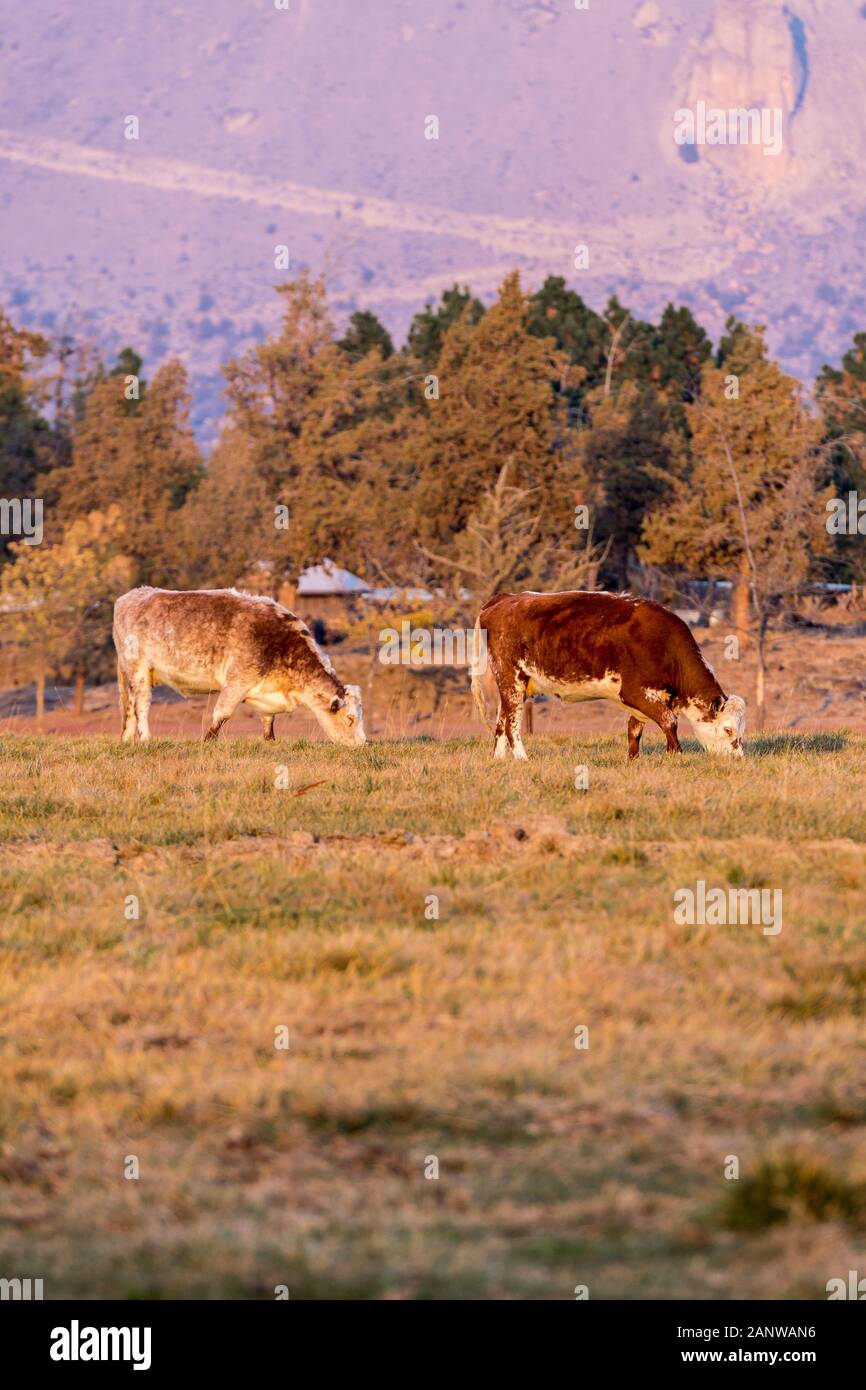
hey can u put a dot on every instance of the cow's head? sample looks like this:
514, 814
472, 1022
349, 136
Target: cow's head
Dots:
722, 728
341, 717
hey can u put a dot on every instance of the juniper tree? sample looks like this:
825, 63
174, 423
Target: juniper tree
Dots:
495, 407
364, 334
752, 504
232, 530
841, 398
322, 427
57, 599
428, 328
629, 452
25, 435
146, 462
504, 546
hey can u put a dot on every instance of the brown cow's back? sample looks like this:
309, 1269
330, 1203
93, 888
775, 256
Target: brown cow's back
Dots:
585, 635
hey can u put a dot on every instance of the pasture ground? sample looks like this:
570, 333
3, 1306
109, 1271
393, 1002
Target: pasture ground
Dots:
412, 1037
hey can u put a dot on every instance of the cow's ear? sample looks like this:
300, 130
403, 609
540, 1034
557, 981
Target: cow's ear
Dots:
337, 704
717, 706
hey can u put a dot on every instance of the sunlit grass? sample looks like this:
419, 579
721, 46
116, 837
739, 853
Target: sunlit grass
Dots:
166, 908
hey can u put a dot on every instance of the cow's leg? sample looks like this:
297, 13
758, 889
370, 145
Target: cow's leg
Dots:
226, 703
657, 711
512, 695
670, 732
140, 684
268, 726
500, 743
502, 739
512, 732
667, 722
635, 730
127, 706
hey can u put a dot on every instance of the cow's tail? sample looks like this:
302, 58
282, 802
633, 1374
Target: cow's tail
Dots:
479, 667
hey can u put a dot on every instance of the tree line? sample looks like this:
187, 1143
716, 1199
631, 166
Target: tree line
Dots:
535, 443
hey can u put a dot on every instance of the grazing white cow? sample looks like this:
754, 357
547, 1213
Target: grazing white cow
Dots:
250, 649
598, 646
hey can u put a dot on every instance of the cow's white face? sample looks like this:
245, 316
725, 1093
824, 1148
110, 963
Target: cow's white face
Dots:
723, 732
342, 719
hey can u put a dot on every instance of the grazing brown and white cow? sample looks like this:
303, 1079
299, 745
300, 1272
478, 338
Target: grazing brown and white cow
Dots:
599, 646
248, 648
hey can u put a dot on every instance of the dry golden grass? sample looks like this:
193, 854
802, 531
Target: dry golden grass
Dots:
411, 1037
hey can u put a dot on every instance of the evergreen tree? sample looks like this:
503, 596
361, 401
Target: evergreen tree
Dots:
146, 462
495, 407
323, 429
128, 365
559, 313
752, 506
427, 330
366, 334
232, 531
680, 349
505, 545
57, 600
841, 397
25, 435
630, 453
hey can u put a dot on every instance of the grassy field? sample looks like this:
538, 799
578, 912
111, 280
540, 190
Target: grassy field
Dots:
414, 1038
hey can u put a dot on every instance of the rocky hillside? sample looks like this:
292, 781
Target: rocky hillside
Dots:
307, 127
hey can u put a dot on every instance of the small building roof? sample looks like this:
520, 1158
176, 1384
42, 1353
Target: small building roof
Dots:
395, 595
328, 578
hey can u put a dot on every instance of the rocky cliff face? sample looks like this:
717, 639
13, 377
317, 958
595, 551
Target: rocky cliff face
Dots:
751, 58
306, 127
